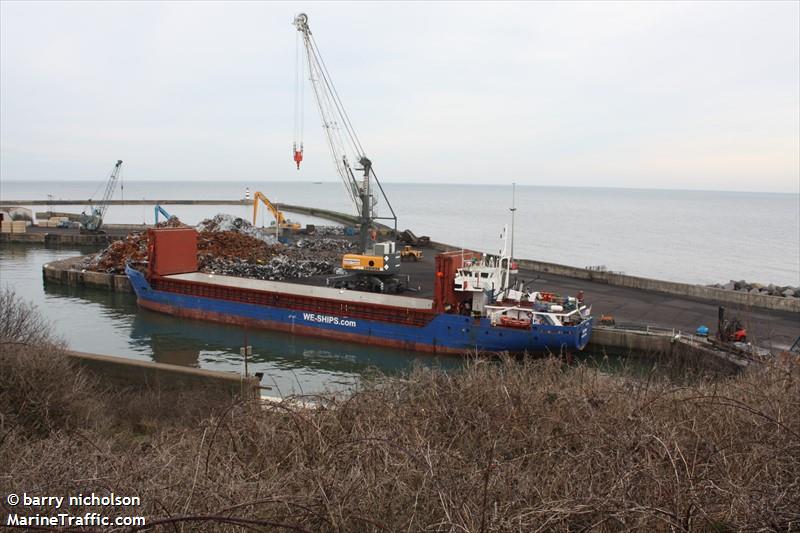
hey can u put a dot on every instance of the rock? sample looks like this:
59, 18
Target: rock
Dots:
788, 292
730, 286
756, 286
754, 291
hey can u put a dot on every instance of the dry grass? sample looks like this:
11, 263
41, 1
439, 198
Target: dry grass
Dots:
505, 446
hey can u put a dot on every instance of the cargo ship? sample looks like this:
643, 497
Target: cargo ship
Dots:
473, 306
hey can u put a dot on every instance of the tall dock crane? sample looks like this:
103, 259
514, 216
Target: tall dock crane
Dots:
343, 142
93, 220
377, 265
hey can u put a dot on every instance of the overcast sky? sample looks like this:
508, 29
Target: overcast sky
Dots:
657, 95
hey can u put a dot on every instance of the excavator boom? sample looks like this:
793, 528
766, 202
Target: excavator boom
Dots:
280, 220
93, 220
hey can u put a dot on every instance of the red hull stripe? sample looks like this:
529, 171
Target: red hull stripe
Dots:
308, 331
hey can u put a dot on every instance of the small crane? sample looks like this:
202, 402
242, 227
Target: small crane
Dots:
93, 220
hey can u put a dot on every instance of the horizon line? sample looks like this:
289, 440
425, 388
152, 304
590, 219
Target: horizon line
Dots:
461, 184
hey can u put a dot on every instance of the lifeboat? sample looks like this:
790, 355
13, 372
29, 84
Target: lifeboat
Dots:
520, 323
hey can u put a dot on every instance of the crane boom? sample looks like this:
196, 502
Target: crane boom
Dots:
343, 142
280, 220
110, 187
94, 219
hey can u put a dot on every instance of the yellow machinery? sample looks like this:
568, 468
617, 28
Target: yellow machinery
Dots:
382, 258
410, 253
280, 220
371, 263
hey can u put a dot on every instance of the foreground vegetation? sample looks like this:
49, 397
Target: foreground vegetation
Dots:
502, 446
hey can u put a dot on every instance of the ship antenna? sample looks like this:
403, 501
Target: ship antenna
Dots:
513, 210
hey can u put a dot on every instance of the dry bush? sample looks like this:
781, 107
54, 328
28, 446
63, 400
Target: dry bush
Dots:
20, 322
40, 391
496, 447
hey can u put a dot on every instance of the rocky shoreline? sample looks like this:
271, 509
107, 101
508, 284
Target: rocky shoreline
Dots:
785, 291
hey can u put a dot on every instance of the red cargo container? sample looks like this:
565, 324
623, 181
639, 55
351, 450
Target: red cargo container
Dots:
445, 298
171, 251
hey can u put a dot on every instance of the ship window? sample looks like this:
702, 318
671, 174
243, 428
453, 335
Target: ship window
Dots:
484, 274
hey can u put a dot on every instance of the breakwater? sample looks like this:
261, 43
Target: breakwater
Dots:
700, 292
11, 203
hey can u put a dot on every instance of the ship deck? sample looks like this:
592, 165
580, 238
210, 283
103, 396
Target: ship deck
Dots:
311, 291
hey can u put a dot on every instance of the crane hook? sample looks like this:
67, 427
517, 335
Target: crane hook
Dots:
298, 154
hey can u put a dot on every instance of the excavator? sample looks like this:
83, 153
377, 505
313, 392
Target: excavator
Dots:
376, 267
92, 221
280, 220
163, 212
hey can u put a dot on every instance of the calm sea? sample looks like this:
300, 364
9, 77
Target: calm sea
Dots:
692, 236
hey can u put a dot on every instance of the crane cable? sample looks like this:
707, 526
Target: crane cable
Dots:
339, 107
299, 97
329, 111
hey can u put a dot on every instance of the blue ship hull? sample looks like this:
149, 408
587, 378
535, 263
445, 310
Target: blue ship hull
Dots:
444, 333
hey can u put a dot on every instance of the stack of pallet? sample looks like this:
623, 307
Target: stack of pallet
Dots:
53, 222
13, 226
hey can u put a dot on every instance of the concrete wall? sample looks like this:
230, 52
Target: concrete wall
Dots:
124, 372
23, 238
68, 272
55, 239
667, 287
679, 354
335, 216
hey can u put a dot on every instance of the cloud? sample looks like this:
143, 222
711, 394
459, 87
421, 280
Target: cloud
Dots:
666, 95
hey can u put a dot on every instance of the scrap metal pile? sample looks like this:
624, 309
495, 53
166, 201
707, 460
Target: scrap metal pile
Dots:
234, 247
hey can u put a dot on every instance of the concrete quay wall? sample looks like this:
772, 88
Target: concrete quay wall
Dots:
133, 373
69, 272
680, 352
